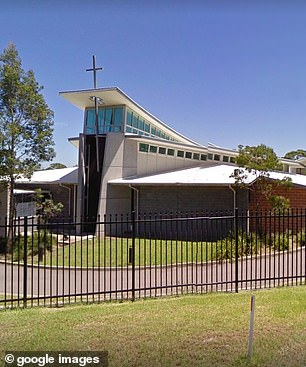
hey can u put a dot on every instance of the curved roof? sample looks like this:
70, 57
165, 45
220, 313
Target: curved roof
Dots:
115, 96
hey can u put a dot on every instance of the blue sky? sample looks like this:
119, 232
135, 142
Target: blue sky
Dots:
225, 72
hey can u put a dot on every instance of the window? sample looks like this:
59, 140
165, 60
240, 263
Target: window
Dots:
141, 124
210, 156
180, 153
203, 157
129, 118
143, 147
216, 157
153, 149
188, 155
118, 116
162, 150
170, 151
90, 122
109, 119
135, 121
232, 159
196, 156
146, 127
225, 158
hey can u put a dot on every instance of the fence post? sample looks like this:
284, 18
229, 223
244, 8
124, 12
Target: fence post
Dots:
133, 244
25, 262
236, 250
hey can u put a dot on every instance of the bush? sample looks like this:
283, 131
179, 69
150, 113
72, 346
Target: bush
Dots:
279, 241
300, 238
37, 244
248, 244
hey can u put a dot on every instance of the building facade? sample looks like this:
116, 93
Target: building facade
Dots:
120, 139
126, 153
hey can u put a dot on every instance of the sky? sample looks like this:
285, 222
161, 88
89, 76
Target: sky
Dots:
222, 72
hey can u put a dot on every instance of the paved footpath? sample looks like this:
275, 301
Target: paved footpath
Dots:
253, 272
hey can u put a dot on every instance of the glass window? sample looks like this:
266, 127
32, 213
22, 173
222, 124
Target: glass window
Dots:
180, 153
135, 121
216, 157
90, 122
129, 118
153, 130
101, 117
170, 152
196, 156
162, 150
225, 158
141, 124
210, 156
143, 147
146, 127
153, 149
108, 119
118, 116
188, 155
232, 159
203, 157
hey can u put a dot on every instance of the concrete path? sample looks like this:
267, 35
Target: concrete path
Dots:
99, 283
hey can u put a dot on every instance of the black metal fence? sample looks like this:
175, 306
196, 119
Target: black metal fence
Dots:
130, 257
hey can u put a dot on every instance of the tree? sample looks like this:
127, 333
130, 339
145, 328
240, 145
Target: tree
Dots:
56, 166
26, 124
295, 154
46, 209
260, 160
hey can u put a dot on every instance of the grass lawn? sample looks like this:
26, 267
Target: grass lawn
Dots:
115, 252
196, 330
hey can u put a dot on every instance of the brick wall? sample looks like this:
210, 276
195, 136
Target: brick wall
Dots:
293, 220
296, 195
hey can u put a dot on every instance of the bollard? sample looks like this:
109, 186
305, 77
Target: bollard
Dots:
251, 328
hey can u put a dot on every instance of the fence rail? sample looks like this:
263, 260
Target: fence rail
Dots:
130, 257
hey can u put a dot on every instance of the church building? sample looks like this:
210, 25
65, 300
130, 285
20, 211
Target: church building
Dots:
126, 152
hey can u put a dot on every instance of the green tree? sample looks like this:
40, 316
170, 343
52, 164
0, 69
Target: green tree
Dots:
295, 154
26, 124
56, 166
46, 209
260, 161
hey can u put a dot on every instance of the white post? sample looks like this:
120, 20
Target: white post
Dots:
251, 329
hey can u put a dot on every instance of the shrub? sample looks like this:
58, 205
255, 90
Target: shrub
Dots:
300, 238
37, 244
279, 241
248, 244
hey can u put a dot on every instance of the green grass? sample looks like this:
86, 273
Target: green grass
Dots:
196, 330
115, 252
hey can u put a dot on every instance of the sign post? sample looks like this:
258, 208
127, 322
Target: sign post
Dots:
251, 328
